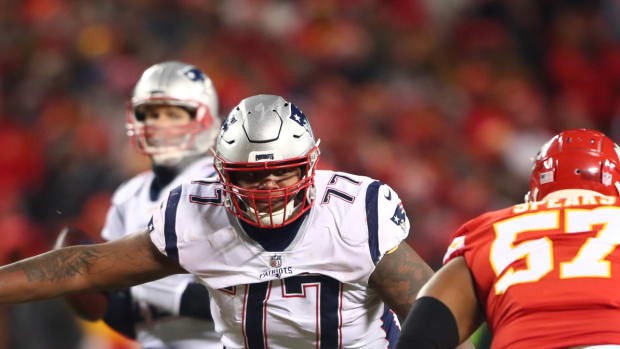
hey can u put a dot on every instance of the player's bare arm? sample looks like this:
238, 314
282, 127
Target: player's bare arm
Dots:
453, 286
398, 277
128, 261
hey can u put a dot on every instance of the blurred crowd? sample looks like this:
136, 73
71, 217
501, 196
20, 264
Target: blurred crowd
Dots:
446, 101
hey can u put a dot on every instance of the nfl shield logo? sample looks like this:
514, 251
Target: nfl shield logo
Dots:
276, 261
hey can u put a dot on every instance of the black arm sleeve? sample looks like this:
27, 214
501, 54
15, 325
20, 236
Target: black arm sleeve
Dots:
121, 313
429, 325
195, 302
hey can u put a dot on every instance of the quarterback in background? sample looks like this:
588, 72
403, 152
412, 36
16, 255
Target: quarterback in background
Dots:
172, 118
544, 273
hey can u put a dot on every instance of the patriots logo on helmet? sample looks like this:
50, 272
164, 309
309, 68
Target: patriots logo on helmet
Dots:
194, 74
298, 116
399, 215
227, 123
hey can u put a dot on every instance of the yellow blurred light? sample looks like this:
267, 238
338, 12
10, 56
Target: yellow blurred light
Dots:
94, 40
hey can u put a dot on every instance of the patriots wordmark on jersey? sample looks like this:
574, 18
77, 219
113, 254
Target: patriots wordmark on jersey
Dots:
548, 272
312, 293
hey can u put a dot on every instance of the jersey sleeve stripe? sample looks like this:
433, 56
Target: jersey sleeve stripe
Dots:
372, 217
390, 326
170, 225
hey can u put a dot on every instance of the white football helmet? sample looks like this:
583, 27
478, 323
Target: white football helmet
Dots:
177, 84
266, 132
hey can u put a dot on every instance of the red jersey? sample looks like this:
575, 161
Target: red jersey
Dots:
547, 273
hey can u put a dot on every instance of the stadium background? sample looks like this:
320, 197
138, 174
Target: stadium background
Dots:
444, 100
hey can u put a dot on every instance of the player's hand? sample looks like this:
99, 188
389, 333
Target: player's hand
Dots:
89, 305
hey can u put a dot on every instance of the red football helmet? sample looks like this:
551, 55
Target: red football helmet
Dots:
576, 159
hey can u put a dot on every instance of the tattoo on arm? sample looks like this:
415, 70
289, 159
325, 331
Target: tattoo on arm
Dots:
121, 263
64, 264
398, 277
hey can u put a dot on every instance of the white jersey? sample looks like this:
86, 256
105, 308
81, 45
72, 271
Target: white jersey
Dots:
159, 301
312, 294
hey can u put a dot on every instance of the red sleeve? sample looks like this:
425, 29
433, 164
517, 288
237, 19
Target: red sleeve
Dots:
465, 237
457, 244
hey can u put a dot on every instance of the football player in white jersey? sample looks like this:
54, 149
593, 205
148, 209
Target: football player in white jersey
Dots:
293, 257
172, 118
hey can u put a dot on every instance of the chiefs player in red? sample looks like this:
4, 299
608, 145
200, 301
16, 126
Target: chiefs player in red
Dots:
544, 273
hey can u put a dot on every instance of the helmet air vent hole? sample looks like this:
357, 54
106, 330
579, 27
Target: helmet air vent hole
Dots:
577, 171
568, 139
286, 104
